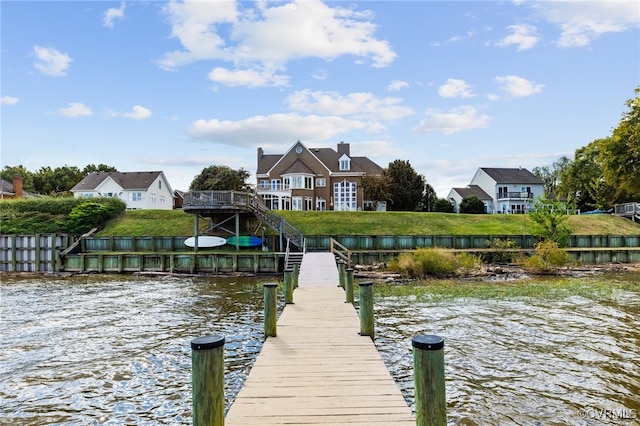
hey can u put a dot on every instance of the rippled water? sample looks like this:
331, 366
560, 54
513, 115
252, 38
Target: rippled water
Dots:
524, 362
112, 350
116, 350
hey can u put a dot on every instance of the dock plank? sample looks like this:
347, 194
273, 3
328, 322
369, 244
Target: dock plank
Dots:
319, 370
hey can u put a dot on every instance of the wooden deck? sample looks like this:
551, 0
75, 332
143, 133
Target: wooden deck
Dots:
319, 370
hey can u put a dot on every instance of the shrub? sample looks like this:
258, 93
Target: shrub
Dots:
547, 258
433, 262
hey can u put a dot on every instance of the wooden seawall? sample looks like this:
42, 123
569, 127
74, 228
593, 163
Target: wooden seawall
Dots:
319, 370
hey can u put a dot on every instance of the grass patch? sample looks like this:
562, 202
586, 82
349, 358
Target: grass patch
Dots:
595, 288
149, 223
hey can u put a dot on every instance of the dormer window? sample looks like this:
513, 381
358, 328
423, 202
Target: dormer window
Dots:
345, 163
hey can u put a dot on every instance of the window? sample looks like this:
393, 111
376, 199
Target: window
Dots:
321, 182
296, 203
264, 184
321, 204
153, 197
159, 184
345, 196
345, 163
299, 182
275, 185
308, 203
136, 196
162, 200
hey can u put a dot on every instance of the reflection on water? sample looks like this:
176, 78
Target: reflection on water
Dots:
116, 350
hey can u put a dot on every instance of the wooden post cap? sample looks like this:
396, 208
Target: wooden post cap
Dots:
270, 285
364, 284
428, 342
207, 342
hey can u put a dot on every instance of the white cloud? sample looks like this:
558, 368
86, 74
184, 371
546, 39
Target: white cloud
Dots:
452, 121
358, 105
583, 21
112, 14
247, 78
268, 36
276, 129
49, 61
523, 37
397, 85
9, 100
75, 109
455, 88
518, 86
138, 112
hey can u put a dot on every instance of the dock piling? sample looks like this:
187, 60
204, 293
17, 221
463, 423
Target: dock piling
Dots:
366, 308
288, 286
428, 369
348, 285
207, 371
270, 309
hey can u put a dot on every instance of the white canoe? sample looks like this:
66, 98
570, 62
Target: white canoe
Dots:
205, 241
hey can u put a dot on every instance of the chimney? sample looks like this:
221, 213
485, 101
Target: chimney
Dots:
17, 186
343, 148
260, 153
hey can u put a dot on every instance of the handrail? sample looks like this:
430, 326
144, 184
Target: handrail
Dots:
346, 257
234, 199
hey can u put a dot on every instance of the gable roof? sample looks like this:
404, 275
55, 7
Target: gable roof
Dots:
127, 180
515, 175
328, 157
472, 191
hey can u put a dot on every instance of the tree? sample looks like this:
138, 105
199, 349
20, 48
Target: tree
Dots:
92, 168
551, 175
443, 206
27, 177
472, 205
221, 178
549, 219
53, 181
429, 199
582, 182
405, 186
375, 189
620, 155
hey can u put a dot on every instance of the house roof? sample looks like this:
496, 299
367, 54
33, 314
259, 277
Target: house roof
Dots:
327, 156
473, 191
127, 180
6, 188
515, 175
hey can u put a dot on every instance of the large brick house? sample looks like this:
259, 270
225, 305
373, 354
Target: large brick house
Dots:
314, 178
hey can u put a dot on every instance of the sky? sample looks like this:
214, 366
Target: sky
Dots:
449, 86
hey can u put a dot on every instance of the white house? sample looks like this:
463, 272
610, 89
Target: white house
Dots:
503, 190
139, 190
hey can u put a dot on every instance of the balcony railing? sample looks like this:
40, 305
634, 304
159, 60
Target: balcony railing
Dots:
272, 187
515, 195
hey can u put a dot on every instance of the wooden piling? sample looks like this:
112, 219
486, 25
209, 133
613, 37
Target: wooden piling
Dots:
366, 309
341, 268
296, 274
288, 286
428, 372
348, 285
270, 309
207, 370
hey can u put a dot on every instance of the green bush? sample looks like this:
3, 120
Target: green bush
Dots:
50, 215
547, 258
433, 262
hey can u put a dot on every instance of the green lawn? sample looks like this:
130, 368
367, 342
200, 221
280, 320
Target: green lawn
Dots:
178, 223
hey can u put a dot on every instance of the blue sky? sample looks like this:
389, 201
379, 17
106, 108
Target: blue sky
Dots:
178, 86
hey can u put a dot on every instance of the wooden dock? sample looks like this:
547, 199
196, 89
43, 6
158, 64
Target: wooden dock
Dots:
319, 370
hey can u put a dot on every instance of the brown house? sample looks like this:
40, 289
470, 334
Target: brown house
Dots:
313, 178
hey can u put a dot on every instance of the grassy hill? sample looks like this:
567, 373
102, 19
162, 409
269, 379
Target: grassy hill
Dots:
178, 223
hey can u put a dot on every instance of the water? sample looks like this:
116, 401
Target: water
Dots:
116, 350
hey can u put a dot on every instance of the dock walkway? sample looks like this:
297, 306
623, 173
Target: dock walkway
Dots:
319, 370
